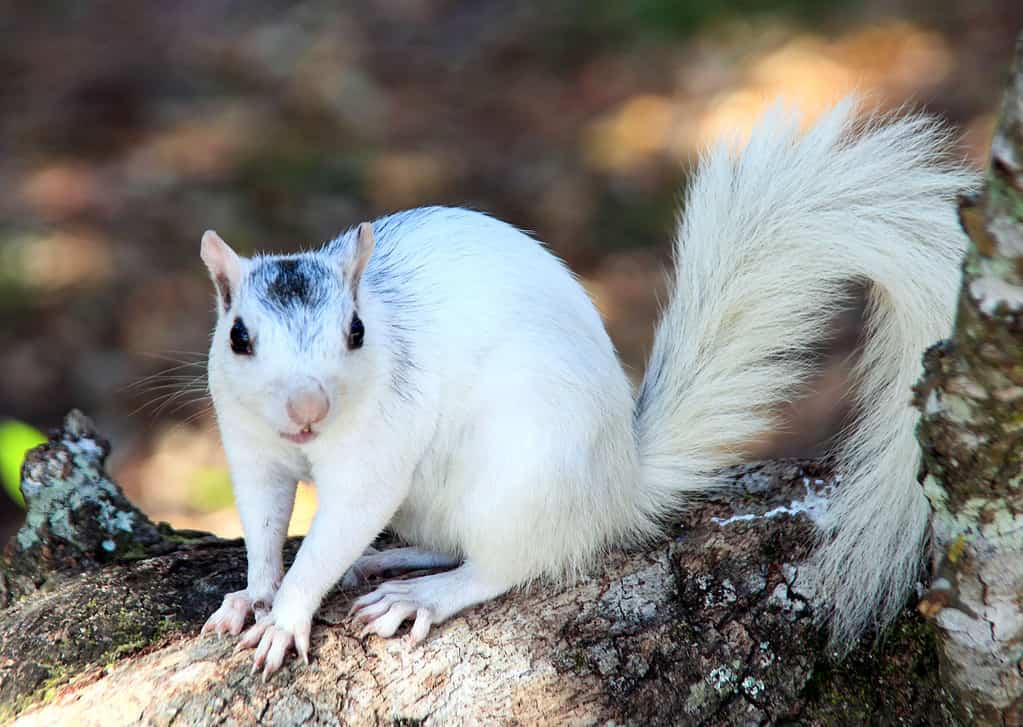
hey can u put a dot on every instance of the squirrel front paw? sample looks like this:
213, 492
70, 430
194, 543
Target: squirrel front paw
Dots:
273, 637
234, 613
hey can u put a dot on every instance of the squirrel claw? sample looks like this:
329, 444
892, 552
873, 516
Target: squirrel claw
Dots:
272, 643
383, 611
232, 615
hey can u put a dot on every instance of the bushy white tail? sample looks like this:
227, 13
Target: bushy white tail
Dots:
773, 242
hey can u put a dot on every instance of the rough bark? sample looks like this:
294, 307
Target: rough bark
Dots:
704, 628
972, 435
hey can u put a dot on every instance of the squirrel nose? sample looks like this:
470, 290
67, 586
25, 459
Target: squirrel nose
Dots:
308, 406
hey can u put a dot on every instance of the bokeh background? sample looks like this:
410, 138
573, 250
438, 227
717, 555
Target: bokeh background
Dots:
127, 128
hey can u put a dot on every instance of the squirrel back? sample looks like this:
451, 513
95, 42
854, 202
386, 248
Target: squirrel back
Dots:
771, 246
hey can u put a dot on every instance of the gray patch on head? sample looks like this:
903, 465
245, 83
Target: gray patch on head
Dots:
293, 282
296, 291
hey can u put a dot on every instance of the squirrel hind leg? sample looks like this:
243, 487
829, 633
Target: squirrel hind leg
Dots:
426, 600
395, 559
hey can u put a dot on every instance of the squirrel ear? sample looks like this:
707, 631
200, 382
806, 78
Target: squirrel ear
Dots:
356, 261
224, 265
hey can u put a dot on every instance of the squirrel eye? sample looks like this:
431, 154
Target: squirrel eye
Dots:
356, 332
240, 341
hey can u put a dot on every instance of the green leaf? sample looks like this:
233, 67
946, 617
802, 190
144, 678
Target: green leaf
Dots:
209, 489
16, 438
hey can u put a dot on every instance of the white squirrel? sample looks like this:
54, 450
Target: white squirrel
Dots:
441, 372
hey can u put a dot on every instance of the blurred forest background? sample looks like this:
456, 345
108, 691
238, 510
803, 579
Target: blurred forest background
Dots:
127, 128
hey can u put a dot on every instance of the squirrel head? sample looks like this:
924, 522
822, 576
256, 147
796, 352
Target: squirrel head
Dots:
288, 344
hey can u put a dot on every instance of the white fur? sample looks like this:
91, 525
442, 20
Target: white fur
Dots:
487, 416
768, 245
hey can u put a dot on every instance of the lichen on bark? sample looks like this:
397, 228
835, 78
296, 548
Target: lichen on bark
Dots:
76, 516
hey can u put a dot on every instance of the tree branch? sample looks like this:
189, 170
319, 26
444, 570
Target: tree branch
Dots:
704, 628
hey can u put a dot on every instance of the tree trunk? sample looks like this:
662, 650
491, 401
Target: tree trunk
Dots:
972, 435
103, 609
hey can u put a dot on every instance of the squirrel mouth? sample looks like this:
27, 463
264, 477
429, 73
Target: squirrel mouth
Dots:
300, 437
